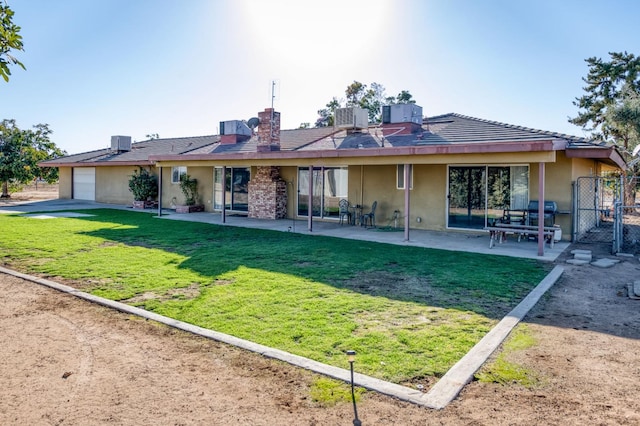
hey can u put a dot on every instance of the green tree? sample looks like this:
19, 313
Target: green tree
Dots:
609, 108
371, 98
10, 39
20, 153
325, 118
605, 85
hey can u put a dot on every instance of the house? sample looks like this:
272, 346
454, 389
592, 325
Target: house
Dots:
448, 172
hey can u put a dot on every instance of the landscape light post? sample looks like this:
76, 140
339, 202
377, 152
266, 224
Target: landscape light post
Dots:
352, 358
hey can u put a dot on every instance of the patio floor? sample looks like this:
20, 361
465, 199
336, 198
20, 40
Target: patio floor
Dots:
468, 241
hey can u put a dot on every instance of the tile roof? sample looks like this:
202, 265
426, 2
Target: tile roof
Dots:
454, 127
446, 129
140, 151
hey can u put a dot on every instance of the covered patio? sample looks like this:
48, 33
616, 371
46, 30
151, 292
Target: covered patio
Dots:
471, 241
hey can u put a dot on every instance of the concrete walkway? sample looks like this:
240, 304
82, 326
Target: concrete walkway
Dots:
466, 241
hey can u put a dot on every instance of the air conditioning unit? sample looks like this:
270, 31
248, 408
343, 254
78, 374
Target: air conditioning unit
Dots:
120, 143
352, 118
402, 113
234, 127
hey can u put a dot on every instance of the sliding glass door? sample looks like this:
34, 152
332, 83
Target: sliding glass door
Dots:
479, 193
236, 188
467, 197
329, 187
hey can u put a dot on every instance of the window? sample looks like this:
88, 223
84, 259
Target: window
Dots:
330, 185
176, 172
478, 194
400, 176
236, 188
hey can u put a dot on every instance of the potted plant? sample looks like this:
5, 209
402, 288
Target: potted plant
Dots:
144, 187
189, 187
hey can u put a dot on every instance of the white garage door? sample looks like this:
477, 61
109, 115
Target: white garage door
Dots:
84, 183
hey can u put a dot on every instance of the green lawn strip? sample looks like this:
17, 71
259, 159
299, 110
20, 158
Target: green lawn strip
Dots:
503, 370
409, 312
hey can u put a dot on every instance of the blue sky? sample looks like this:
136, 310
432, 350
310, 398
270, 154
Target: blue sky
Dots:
97, 68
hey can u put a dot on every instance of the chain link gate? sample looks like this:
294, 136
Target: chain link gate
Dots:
601, 215
628, 213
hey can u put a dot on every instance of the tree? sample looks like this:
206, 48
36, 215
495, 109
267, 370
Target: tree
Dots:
20, 153
360, 95
605, 82
609, 109
10, 39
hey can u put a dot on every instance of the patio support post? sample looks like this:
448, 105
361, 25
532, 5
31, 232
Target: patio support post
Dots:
224, 194
407, 186
541, 209
159, 191
310, 204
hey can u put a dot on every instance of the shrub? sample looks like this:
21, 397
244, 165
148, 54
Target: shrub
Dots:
189, 187
144, 185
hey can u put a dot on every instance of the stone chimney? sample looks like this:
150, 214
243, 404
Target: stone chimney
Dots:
268, 131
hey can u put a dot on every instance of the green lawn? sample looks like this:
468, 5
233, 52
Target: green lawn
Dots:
410, 313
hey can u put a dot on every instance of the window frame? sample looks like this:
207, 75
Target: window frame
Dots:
181, 170
400, 176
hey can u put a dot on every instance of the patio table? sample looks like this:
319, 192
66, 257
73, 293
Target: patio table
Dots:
356, 213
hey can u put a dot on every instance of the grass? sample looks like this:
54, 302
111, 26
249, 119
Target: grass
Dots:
503, 371
410, 313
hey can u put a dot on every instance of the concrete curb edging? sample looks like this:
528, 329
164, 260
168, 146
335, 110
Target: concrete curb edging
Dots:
440, 395
450, 385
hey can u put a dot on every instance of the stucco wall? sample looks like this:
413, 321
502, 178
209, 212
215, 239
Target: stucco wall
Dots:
379, 183
65, 188
112, 184
172, 194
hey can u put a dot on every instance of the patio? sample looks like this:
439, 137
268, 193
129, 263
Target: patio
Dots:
468, 241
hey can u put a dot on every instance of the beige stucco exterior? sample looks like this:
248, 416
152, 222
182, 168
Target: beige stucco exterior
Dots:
371, 178
65, 182
112, 184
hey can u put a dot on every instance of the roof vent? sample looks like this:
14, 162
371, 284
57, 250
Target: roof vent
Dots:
352, 118
120, 143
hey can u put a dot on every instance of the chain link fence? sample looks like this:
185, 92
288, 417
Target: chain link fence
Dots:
603, 214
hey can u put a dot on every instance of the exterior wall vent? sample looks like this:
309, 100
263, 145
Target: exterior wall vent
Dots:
402, 113
120, 143
352, 118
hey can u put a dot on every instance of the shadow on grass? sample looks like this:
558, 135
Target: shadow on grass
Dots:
487, 285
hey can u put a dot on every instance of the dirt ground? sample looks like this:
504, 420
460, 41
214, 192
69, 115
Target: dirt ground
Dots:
66, 361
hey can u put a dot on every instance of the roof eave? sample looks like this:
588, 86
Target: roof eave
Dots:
462, 148
53, 163
608, 155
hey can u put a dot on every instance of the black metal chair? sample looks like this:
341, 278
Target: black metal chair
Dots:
343, 206
369, 218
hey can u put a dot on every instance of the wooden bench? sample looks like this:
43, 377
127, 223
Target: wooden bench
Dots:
499, 232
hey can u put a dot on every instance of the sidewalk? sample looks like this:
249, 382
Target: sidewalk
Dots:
466, 241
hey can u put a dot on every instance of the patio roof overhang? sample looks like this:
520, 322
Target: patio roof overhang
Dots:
608, 155
512, 151
53, 163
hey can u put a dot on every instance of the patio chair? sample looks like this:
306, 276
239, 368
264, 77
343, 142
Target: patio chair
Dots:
369, 218
343, 211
